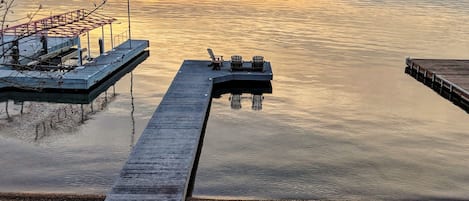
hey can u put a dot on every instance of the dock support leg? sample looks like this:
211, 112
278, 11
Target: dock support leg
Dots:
101, 46
112, 38
89, 48
102, 36
425, 77
441, 87
417, 75
433, 81
451, 93
80, 62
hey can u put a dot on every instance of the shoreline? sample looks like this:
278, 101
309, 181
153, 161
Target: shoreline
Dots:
50, 197
9, 196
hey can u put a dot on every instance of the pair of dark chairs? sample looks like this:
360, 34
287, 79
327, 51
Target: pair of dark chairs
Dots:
237, 63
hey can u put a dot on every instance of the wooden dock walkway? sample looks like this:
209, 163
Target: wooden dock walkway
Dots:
81, 78
163, 163
450, 78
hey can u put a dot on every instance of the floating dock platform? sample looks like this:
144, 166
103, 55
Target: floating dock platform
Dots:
73, 97
449, 78
163, 163
82, 77
37, 52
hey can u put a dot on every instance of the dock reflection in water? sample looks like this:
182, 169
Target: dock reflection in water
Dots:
32, 120
46, 113
242, 92
46, 144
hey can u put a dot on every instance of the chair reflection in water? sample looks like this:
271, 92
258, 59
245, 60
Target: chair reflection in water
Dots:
235, 101
257, 99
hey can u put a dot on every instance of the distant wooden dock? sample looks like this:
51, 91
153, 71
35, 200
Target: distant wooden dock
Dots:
450, 78
163, 163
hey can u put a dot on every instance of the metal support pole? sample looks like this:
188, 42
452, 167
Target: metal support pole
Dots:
80, 62
128, 19
112, 38
102, 36
89, 48
101, 46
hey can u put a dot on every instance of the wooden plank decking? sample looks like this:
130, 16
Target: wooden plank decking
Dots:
450, 78
164, 159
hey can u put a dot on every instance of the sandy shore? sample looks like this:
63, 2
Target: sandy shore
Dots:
81, 197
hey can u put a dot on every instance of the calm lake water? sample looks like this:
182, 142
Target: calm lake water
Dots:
343, 122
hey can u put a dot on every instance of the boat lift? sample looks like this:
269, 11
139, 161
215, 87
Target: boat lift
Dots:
57, 35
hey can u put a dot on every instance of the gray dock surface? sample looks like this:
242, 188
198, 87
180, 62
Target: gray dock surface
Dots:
162, 162
83, 97
448, 77
81, 78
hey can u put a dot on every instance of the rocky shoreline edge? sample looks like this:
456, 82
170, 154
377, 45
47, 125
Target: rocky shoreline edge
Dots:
50, 197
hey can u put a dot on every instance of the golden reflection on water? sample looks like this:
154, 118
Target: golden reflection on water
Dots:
343, 122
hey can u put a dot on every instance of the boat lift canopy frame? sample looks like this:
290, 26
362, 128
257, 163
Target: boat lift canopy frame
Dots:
70, 24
